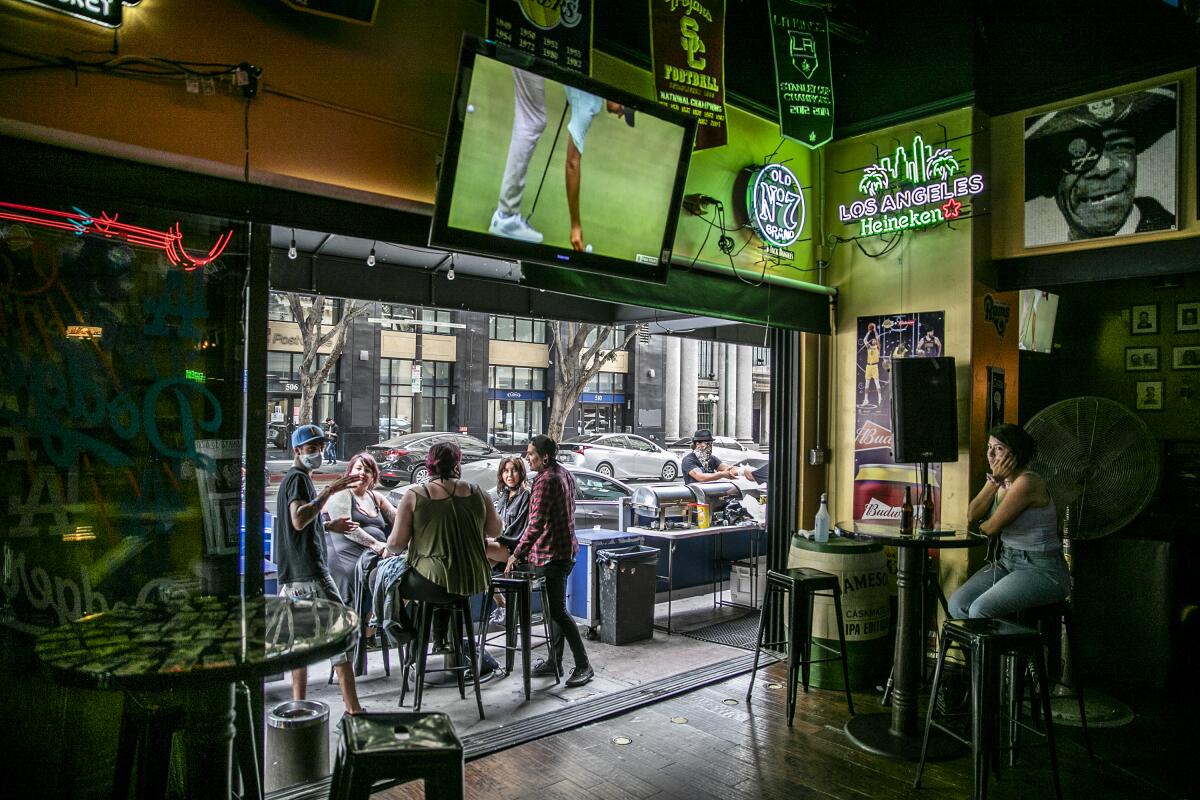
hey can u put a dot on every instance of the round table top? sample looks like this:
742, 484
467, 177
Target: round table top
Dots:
195, 640
889, 533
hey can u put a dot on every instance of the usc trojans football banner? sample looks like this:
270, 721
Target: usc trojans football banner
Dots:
558, 31
687, 40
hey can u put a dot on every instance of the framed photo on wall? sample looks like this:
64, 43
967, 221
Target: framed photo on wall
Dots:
1187, 317
1143, 319
1149, 396
1185, 357
1102, 169
1141, 359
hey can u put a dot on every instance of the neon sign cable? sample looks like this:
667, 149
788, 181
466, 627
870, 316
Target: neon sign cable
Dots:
81, 223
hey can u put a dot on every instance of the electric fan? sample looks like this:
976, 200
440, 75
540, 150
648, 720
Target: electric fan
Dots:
1099, 461
1101, 466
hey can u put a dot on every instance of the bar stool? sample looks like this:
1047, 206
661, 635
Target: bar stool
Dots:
461, 627
801, 584
1049, 620
518, 589
403, 747
985, 643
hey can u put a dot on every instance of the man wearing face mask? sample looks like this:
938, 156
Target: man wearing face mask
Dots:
701, 466
300, 545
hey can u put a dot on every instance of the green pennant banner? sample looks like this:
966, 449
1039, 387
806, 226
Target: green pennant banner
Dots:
800, 37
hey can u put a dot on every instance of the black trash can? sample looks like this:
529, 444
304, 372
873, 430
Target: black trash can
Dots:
627, 585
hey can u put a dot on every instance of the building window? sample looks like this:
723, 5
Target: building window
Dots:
704, 415
398, 313
285, 368
516, 329
606, 383
279, 308
435, 395
513, 420
395, 397
706, 359
516, 378
613, 340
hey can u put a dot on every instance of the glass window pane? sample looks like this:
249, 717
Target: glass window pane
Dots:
504, 328
524, 330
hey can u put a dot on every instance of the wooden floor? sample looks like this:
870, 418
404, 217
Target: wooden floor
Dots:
712, 744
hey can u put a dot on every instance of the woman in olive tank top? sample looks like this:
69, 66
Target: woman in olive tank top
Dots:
443, 525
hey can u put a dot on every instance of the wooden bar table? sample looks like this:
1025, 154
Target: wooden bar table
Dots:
898, 734
184, 657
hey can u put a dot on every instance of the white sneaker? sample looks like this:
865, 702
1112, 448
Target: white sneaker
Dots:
513, 227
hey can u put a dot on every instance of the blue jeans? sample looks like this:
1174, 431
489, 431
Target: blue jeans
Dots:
330, 454
1016, 580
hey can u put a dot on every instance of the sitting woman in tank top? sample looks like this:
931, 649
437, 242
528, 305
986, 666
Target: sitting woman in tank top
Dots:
1014, 504
443, 524
374, 515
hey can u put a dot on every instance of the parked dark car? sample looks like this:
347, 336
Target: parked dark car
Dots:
277, 435
402, 458
598, 498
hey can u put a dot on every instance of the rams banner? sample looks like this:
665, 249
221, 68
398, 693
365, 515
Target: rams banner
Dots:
687, 39
800, 36
558, 31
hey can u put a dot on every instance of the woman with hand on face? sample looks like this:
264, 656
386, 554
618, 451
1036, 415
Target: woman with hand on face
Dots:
1029, 569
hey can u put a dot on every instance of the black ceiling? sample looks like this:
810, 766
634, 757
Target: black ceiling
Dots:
915, 56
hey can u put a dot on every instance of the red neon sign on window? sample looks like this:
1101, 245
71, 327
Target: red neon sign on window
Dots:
82, 223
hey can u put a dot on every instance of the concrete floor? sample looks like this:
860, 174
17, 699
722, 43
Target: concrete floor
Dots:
617, 668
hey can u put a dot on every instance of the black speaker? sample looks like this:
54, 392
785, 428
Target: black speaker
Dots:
924, 410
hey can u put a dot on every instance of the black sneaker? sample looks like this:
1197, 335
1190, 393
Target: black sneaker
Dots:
544, 668
580, 676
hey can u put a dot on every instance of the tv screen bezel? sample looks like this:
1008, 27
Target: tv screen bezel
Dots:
445, 237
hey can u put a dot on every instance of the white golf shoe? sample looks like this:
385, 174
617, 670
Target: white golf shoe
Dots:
513, 227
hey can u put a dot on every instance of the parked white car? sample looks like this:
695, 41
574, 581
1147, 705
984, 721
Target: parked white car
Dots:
623, 455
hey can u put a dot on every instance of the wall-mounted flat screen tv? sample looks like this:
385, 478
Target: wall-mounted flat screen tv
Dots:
1038, 311
548, 166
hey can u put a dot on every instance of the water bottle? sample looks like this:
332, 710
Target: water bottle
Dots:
821, 521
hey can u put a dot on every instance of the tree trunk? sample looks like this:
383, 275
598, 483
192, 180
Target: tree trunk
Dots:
575, 364
313, 338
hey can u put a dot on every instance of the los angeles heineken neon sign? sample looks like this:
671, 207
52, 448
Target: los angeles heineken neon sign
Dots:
912, 188
775, 205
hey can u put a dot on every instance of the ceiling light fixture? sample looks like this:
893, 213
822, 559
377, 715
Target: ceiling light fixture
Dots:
371, 256
292, 248
450, 272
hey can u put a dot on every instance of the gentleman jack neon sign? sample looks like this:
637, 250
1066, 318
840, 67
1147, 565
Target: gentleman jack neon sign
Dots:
901, 187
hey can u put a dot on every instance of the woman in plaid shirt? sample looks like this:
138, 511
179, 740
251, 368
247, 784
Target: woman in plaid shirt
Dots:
549, 545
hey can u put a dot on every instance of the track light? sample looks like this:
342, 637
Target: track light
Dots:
371, 256
292, 249
450, 273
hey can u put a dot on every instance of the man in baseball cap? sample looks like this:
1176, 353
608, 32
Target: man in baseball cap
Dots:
1086, 158
701, 466
300, 545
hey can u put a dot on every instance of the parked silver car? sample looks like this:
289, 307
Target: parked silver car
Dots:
622, 455
598, 498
